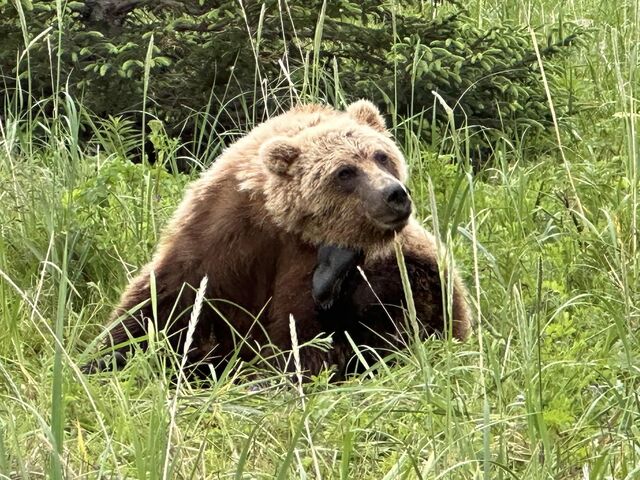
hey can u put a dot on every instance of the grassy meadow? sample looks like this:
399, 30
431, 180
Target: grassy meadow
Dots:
547, 237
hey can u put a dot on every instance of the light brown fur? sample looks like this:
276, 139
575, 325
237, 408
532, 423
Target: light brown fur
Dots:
267, 197
252, 224
325, 139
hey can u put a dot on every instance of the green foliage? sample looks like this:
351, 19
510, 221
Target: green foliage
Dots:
546, 388
224, 54
97, 203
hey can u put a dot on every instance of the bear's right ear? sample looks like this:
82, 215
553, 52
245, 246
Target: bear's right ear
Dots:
366, 113
279, 153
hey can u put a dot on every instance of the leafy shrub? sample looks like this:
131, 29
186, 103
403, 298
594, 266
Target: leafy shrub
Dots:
240, 61
103, 223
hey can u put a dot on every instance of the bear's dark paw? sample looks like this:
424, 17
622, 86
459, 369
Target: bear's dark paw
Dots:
334, 265
110, 362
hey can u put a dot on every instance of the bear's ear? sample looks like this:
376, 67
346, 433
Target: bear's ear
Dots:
366, 113
279, 153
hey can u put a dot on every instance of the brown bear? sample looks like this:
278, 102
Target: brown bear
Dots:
310, 176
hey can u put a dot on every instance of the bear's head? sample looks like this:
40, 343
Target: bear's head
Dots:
339, 182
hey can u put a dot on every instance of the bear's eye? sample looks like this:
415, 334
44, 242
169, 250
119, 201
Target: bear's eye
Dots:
346, 173
381, 157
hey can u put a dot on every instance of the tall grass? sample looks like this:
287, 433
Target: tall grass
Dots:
546, 388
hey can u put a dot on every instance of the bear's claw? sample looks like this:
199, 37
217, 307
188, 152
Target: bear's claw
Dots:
115, 361
334, 265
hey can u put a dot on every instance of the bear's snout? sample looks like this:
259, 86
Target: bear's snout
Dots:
394, 210
396, 197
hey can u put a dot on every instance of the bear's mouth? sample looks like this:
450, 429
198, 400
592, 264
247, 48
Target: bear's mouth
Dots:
393, 223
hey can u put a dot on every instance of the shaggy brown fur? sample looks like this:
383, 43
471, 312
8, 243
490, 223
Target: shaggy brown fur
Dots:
305, 153
312, 175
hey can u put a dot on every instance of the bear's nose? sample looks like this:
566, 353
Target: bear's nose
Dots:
396, 197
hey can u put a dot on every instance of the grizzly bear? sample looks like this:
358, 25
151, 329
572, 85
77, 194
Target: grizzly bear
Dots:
308, 177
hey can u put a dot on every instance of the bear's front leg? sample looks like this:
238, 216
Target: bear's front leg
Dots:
334, 266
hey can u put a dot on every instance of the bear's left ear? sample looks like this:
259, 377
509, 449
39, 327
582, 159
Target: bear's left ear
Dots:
366, 113
279, 153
